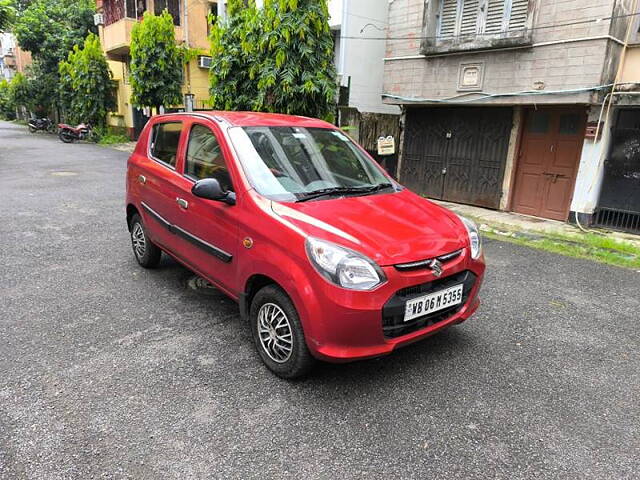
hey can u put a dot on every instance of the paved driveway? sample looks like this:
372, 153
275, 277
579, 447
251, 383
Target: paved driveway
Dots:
111, 371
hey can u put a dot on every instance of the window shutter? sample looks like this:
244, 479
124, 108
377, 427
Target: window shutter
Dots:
519, 12
495, 16
448, 17
469, 21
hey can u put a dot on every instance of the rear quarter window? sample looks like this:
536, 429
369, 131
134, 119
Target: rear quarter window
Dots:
165, 138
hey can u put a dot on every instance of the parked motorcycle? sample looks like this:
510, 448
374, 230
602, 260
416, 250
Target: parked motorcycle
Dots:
69, 134
36, 124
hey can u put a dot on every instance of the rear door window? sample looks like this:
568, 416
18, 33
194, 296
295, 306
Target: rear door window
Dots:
165, 138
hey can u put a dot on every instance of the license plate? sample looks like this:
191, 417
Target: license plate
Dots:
434, 302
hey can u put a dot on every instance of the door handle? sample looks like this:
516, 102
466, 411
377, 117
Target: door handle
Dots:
554, 176
142, 179
183, 203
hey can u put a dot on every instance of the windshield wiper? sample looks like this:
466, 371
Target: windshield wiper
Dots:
343, 190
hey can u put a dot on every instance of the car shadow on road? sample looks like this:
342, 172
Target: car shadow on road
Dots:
419, 358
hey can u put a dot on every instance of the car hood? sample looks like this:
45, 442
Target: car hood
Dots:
389, 228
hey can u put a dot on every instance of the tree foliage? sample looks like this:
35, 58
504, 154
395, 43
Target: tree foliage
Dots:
275, 59
35, 90
156, 62
7, 107
6, 14
49, 29
85, 83
234, 49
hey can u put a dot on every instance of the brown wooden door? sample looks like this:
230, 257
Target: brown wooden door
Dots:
548, 162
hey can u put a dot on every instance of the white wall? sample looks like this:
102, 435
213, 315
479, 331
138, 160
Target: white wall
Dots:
7, 42
589, 178
362, 54
335, 13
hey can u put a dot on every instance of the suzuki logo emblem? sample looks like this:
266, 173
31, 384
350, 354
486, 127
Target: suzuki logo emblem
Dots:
436, 267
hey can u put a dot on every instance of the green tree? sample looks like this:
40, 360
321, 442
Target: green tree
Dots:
234, 49
18, 94
275, 59
156, 62
32, 89
49, 29
85, 83
296, 73
6, 14
7, 108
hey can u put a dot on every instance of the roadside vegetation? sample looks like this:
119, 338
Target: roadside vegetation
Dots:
107, 137
277, 58
592, 246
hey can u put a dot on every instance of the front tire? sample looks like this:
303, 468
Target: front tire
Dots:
146, 252
278, 335
32, 129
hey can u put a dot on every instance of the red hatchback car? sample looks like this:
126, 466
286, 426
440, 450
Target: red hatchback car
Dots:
328, 257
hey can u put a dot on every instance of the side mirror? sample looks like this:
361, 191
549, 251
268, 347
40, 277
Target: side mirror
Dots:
210, 189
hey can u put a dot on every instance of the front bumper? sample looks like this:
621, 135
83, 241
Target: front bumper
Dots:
358, 325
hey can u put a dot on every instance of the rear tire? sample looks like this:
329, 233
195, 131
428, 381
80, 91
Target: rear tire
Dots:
146, 252
278, 335
66, 136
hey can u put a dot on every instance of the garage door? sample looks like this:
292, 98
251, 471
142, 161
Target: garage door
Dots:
457, 154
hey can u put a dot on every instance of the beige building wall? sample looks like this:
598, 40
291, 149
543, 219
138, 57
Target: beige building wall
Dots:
122, 117
631, 68
23, 59
193, 29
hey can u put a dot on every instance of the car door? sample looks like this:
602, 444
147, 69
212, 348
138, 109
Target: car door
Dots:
157, 176
211, 227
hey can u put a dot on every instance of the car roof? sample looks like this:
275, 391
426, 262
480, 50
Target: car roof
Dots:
258, 119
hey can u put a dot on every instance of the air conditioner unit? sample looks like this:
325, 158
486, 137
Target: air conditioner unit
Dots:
204, 61
98, 19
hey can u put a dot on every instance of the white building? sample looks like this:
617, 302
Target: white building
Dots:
7, 56
360, 28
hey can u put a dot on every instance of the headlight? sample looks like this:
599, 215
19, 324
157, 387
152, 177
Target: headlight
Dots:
344, 267
474, 237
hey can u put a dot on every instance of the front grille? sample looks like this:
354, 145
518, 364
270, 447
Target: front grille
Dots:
427, 263
393, 324
618, 220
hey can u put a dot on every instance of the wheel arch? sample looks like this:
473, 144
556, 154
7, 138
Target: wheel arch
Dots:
131, 211
252, 286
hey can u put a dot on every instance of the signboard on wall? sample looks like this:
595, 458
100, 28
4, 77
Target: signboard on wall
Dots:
386, 145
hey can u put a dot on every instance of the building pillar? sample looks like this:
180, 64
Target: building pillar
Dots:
512, 158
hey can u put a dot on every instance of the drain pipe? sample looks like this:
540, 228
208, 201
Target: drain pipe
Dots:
186, 42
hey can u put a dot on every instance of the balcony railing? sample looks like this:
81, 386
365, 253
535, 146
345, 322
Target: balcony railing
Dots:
115, 10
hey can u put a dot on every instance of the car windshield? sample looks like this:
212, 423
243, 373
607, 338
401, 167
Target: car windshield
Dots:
299, 164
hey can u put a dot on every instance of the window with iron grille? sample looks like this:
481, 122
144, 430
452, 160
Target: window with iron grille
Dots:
115, 10
486, 18
172, 6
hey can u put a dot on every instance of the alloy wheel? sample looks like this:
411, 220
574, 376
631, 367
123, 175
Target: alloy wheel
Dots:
138, 240
274, 331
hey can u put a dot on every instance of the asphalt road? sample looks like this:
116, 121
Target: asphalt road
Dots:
111, 371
